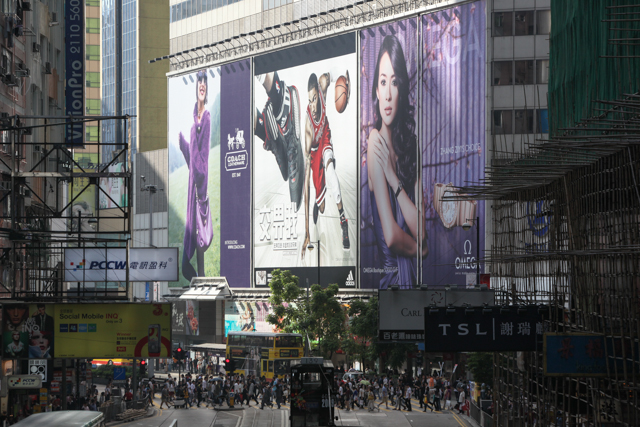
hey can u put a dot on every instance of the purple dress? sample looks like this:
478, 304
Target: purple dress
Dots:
398, 269
196, 154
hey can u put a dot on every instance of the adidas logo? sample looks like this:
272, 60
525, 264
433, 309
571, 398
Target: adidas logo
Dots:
351, 283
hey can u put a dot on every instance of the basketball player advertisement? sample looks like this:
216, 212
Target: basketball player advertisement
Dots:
235, 174
194, 172
305, 148
390, 243
453, 141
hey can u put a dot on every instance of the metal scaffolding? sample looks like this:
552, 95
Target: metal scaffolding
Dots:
43, 182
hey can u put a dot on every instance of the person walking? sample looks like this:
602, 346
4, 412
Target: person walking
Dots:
407, 398
385, 396
461, 399
164, 396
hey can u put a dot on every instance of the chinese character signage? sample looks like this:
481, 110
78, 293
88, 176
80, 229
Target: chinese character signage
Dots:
490, 329
575, 355
110, 264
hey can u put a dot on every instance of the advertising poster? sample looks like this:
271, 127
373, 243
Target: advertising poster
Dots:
194, 172
112, 331
247, 316
179, 317
453, 140
305, 150
235, 174
83, 193
113, 192
390, 188
27, 331
193, 317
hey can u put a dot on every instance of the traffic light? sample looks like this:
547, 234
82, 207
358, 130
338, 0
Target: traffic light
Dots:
178, 353
227, 365
143, 368
232, 366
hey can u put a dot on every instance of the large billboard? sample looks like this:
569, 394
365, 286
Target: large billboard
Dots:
112, 330
390, 189
305, 160
453, 140
44, 331
194, 172
209, 172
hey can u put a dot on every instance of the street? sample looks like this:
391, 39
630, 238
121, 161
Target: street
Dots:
254, 417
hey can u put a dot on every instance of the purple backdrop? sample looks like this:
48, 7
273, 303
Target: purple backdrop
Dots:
373, 263
235, 174
453, 138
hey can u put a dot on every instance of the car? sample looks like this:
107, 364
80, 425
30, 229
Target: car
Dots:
353, 375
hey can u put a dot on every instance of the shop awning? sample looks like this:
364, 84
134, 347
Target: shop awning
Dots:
207, 288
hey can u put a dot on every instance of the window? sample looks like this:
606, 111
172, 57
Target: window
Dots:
503, 24
524, 121
502, 122
95, 3
543, 22
93, 25
172, 18
91, 132
524, 23
543, 121
524, 72
542, 71
502, 73
93, 79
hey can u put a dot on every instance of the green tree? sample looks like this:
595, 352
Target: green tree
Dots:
362, 339
481, 366
319, 317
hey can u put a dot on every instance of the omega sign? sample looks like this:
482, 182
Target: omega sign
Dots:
455, 329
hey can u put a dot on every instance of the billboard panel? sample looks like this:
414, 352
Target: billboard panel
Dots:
247, 316
305, 157
110, 264
112, 330
390, 188
235, 174
27, 331
453, 139
194, 172
574, 355
74, 70
83, 192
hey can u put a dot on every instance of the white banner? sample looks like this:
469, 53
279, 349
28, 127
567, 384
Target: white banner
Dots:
110, 264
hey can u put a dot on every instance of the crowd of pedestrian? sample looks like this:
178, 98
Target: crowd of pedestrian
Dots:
395, 392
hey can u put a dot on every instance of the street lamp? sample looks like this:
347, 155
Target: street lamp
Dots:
311, 247
466, 226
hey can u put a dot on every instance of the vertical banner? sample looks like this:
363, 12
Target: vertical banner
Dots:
75, 73
453, 140
27, 331
235, 174
305, 167
390, 188
194, 172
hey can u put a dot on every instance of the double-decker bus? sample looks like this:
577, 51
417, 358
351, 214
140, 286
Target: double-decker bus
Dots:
264, 353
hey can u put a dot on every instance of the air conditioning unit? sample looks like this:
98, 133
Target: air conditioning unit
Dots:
36, 47
47, 68
11, 80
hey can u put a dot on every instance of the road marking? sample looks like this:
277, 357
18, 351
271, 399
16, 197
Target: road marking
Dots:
458, 420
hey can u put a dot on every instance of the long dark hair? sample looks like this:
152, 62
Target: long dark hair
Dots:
403, 129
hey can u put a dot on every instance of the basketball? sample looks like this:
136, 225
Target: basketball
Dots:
342, 94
